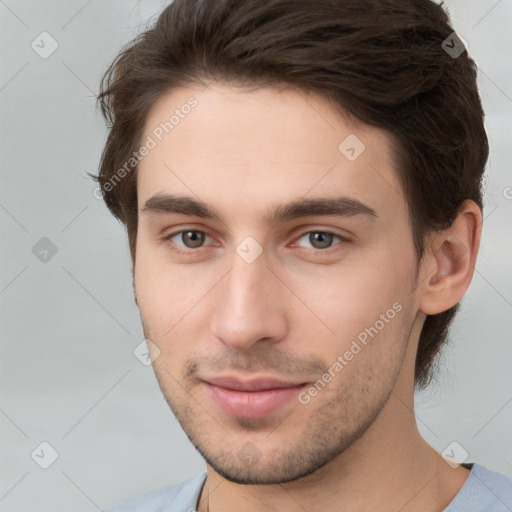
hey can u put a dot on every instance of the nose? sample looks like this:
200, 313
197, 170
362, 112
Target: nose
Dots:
250, 305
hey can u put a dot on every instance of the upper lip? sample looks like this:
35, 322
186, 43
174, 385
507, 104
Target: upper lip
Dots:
252, 384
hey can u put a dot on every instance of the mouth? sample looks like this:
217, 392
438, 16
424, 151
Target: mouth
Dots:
258, 397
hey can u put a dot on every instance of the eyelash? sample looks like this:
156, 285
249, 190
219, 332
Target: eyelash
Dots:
189, 252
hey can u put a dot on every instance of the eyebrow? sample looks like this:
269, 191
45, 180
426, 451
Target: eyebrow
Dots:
342, 206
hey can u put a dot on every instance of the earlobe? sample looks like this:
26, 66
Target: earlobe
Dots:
452, 261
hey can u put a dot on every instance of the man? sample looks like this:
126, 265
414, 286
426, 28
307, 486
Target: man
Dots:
301, 186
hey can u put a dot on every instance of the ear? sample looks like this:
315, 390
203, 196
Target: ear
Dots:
450, 260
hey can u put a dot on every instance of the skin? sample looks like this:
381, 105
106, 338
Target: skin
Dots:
293, 310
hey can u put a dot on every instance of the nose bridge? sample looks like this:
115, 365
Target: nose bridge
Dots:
248, 308
246, 287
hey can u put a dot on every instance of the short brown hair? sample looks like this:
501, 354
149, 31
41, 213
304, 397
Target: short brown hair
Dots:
384, 61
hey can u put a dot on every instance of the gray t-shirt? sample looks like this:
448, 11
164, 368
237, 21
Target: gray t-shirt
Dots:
483, 491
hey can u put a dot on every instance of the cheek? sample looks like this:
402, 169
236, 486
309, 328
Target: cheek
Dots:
171, 298
350, 298
361, 305
159, 291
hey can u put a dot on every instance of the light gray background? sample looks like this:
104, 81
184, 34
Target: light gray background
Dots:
69, 326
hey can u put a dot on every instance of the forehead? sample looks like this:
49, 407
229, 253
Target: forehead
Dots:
240, 149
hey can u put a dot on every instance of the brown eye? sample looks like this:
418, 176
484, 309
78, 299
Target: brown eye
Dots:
320, 239
192, 239
188, 238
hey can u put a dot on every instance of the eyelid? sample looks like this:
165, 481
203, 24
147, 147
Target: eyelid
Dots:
183, 249
172, 234
334, 247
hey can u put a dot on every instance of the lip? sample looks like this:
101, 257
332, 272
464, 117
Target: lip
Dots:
258, 397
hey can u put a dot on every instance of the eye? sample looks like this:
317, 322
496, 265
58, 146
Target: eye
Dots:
321, 240
189, 238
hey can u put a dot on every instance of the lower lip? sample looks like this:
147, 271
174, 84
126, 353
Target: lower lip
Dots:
251, 404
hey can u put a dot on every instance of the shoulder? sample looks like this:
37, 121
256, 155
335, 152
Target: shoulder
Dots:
180, 497
484, 490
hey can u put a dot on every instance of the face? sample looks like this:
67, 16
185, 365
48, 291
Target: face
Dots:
275, 284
